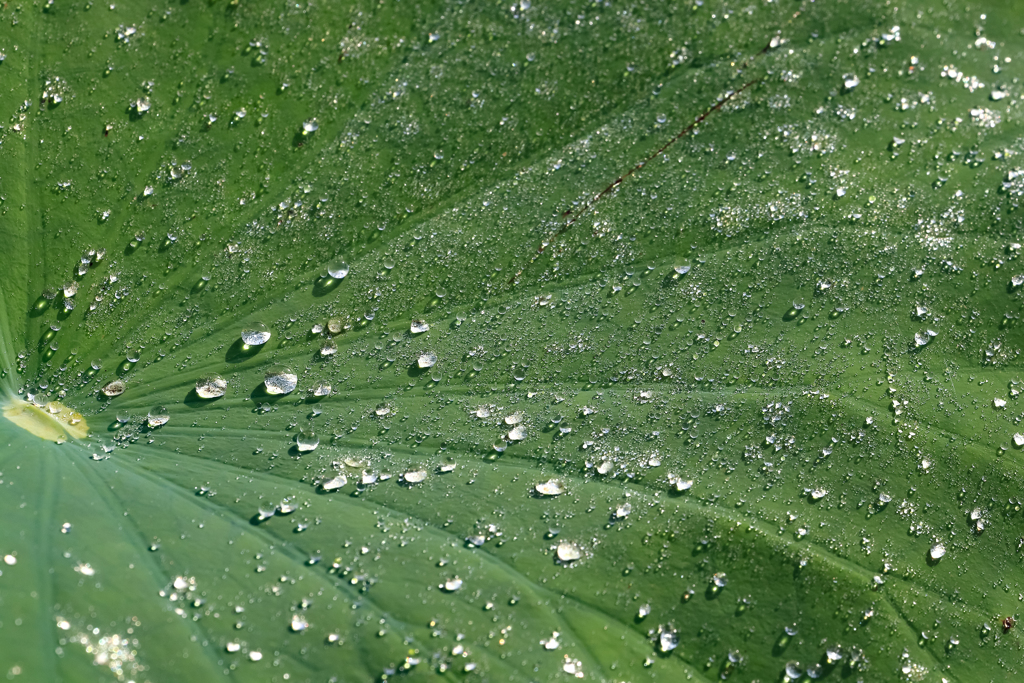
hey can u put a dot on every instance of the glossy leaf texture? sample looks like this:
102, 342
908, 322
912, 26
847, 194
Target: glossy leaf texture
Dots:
752, 412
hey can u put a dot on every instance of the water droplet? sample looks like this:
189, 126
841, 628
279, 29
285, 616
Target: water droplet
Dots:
937, 551
299, 623
306, 440
328, 348
668, 640
551, 487
211, 386
414, 477
322, 389
426, 360
158, 415
257, 335
418, 326
337, 269
452, 585
334, 483
568, 552
114, 388
517, 434
280, 380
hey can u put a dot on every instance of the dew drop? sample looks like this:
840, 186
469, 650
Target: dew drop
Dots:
337, 269
115, 388
257, 335
280, 380
158, 416
211, 386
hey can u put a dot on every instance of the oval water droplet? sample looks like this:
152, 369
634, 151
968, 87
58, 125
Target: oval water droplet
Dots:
280, 380
211, 386
256, 335
158, 416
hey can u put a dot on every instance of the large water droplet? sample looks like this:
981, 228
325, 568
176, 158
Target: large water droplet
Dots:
257, 335
157, 416
211, 386
337, 269
306, 440
114, 388
280, 380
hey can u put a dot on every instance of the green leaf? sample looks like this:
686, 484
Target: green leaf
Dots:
721, 378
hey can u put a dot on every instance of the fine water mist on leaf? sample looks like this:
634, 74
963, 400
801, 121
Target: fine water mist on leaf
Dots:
522, 342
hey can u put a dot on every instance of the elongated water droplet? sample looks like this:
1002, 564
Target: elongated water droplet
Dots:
114, 388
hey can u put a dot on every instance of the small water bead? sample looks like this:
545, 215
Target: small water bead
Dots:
309, 127
451, 585
256, 335
1018, 440
232, 647
306, 440
798, 304
426, 360
418, 326
334, 326
158, 416
791, 630
937, 551
280, 380
338, 270
70, 288
255, 656
682, 269
322, 389
794, 671
517, 434
96, 364
513, 419
114, 388
211, 386
124, 417
133, 356
719, 580
568, 552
